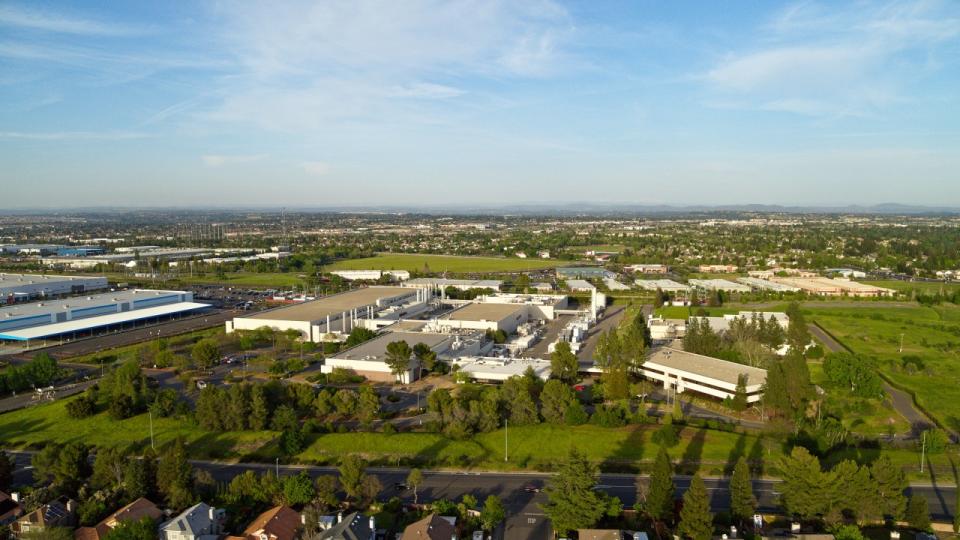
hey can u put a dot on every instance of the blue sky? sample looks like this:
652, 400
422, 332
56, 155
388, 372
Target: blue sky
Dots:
421, 102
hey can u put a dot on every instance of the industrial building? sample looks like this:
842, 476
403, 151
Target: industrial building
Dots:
615, 285
496, 369
333, 317
718, 268
129, 258
77, 316
665, 285
722, 324
23, 287
759, 284
479, 316
666, 330
372, 275
834, 287
682, 371
369, 358
646, 268
440, 284
584, 272
719, 285
30, 249
580, 285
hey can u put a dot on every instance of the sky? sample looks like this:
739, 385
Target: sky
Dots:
373, 103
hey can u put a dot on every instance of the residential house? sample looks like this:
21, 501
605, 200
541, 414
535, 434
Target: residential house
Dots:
278, 523
199, 522
610, 534
135, 511
355, 526
432, 527
60, 512
9, 508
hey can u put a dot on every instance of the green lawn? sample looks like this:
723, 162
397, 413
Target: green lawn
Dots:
933, 334
870, 417
49, 423
442, 263
683, 312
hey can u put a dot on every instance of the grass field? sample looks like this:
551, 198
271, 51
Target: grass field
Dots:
871, 417
442, 263
683, 312
924, 287
930, 333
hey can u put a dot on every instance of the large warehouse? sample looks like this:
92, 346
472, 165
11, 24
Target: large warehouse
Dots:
21, 287
331, 318
493, 317
440, 284
84, 315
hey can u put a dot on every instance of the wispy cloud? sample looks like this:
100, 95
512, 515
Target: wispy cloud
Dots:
220, 160
316, 168
46, 21
73, 135
816, 61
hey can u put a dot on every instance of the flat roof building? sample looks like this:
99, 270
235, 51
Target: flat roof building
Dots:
646, 268
371, 275
332, 317
719, 285
665, 285
461, 284
19, 287
758, 284
495, 369
369, 358
580, 285
684, 371
78, 315
483, 316
834, 287
581, 272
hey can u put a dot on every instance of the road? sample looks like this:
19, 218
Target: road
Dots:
610, 319
901, 401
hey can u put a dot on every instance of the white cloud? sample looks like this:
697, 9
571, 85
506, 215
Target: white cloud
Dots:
47, 21
316, 168
426, 91
219, 160
815, 61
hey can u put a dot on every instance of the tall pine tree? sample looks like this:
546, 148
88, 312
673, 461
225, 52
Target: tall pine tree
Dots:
696, 521
573, 501
658, 500
742, 502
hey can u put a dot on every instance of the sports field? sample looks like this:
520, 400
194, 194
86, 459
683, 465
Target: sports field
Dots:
442, 263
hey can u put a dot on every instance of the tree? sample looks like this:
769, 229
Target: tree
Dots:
298, 489
918, 513
351, 475
368, 405
139, 477
358, 335
658, 500
108, 466
398, 358
696, 521
425, 356
326, 491
802, 490
574, 503
370, 487
742, 502
493, 512
7, 466
205, 353
143, 529
739, 402
563, 363
259, 408
414, 479
555, 400
175, 476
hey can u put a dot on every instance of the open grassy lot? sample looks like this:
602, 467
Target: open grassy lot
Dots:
870, 417
683, 312
924, 287
442, 263
49, 423
931, 334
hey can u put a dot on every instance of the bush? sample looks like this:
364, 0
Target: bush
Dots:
81, 407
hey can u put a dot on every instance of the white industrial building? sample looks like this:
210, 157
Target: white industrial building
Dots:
128, 259
20, 287
496, 369
440, 284
333, 317
683, 371
722, 324
666, 330
371, 275
719, 285
85, 314
759, 284
580, 285
665, 285
369, 358
492, 317
615, 285
646, 268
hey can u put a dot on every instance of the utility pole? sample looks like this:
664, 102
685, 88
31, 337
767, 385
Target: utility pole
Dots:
901, 342
923, 450
278, 467
151, 431
506, 444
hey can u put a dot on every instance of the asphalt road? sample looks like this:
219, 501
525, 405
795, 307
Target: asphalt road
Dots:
610, 319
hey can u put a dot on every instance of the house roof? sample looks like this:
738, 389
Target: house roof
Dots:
54, 512
8, 507
355, 526
194, 521
134, 511
432, 527
601, 534
278, 523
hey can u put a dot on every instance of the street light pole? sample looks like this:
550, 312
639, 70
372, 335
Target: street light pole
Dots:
923, 450
506, 439
151, 431
278, 467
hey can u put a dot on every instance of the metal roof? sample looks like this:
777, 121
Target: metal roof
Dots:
316, 310
80, 325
